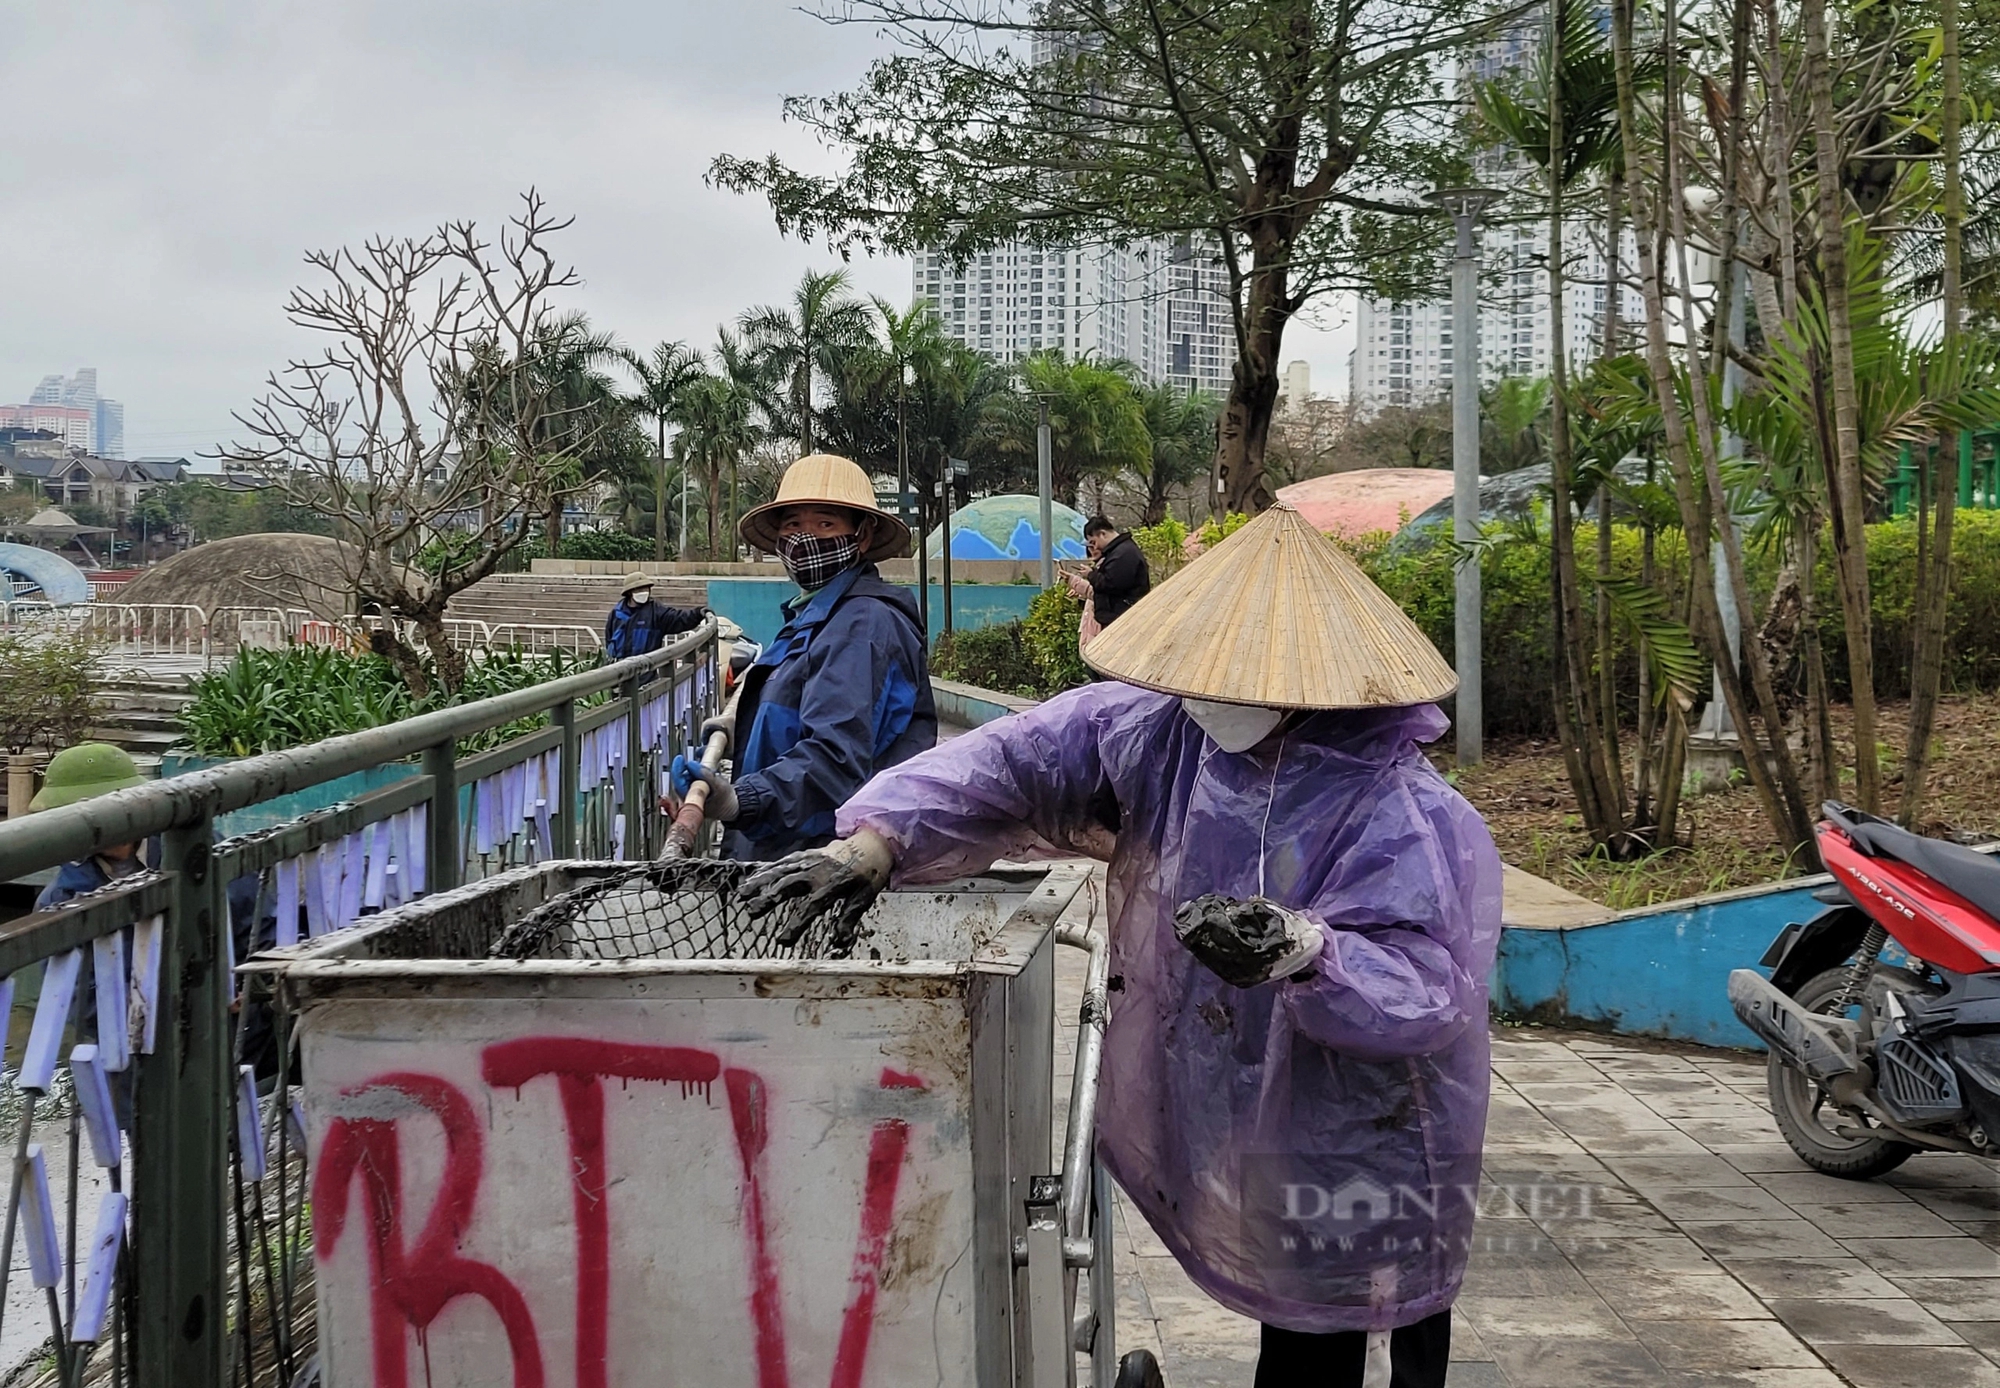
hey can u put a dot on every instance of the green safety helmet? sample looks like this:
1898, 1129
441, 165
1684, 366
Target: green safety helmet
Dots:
87, 769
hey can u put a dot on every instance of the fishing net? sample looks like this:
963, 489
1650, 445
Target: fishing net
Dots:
683, 908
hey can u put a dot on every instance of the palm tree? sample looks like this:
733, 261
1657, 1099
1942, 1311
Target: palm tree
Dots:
1096, 423
662, 377
1513, 424
1181, 425
723, 412
582, 406
823, 324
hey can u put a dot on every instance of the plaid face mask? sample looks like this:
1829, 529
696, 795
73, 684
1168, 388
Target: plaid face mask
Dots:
815, 561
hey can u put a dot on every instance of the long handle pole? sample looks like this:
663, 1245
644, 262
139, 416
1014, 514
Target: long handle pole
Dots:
1471, 712
682, 833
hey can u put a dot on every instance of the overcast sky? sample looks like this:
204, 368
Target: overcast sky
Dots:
167, 164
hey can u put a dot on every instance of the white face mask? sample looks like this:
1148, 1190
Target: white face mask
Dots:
1233, 727
639, 597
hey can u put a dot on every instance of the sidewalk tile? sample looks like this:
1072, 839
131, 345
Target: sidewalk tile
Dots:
1476, 1374
1674, 1253
1645, 1173
1954, 1298
1763, 1344
1552, 1363
1961, 1256
1913, 1366
1717, 1202
1811, 1188
1877, 1219
1756, 1156
1765, 1238
1758, 1378
1575, 1317
1685, 1296
1777, 1279
1900, 1322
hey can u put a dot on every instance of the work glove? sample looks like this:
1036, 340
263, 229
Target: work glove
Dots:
724, 723
721, 803
1246, 943
848, 874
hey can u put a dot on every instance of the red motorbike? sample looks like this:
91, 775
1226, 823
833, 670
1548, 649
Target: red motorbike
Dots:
1882, 1013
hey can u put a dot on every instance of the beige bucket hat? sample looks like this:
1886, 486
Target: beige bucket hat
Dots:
635, 579
1275, 615
824, 479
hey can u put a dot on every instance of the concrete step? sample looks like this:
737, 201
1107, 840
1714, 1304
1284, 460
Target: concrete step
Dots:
143, 720
134, 740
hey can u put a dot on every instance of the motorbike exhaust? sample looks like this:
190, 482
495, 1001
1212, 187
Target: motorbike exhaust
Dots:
1821, 1047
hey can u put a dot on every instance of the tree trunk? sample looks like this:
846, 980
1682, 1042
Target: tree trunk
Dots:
1600, 795
1244, 429
446, 659
1695, 508
1934, 580
1844, 483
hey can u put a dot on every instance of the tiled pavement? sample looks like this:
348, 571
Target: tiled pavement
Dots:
1643, 1224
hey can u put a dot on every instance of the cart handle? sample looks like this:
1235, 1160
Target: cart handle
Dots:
1080, 1141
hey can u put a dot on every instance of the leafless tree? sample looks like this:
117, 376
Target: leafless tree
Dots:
427, 424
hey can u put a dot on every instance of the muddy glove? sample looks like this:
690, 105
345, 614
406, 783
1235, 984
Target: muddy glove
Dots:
847, 874
721, 802
724, 723
1246, 943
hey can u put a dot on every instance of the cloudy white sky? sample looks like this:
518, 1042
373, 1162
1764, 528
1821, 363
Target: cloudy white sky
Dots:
167, 164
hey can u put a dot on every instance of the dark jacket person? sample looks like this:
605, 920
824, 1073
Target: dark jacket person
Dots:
843, 690
1120, 577
640, 626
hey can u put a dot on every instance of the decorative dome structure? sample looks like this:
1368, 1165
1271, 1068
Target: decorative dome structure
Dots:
1008, 527
302, 571
28, 574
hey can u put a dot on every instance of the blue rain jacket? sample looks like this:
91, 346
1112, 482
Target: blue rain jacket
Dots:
1309, 1148
641, 630
841, 692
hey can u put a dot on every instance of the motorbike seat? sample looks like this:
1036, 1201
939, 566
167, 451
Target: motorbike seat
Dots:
1974, 876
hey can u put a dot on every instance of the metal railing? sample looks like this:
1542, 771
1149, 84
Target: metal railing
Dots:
134, 630
215, 1165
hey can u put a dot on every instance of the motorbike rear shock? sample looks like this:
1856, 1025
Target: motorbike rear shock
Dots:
1858, 972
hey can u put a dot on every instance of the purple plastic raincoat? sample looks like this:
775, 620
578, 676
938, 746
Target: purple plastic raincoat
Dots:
1309, 1149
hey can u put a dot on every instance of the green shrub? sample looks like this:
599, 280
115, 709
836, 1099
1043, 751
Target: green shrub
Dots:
1034, 658
1517, 633
1212, 534
1164, 545
48, 692
994, 657
268, 700
616, 546
1972, 624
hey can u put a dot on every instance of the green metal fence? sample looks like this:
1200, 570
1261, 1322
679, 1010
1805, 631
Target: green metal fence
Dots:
1978, 473
195, 1267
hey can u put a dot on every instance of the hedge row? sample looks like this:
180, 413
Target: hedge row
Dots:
1037, 658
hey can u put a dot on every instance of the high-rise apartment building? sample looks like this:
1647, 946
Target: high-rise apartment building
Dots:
1403, 351
110, 429
71, 409
1163, 307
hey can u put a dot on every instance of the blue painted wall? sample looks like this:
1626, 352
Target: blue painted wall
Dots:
755, 604
1663, 971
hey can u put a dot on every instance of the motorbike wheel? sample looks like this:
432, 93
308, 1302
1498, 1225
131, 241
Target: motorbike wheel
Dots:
1139, 1370
1806, 1114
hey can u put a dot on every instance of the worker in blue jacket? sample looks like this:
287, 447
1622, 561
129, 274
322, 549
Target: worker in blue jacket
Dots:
639, 626
844, 689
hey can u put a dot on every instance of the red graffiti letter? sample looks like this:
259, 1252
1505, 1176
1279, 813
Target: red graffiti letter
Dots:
581, 1066
413, 1285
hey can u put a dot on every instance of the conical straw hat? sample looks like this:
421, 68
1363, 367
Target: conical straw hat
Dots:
826, 479
1274, 615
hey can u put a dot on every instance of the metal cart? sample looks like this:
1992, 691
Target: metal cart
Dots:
586, 1123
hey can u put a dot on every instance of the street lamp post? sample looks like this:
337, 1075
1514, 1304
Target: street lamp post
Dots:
1045, 470
1463, 206
955, 471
